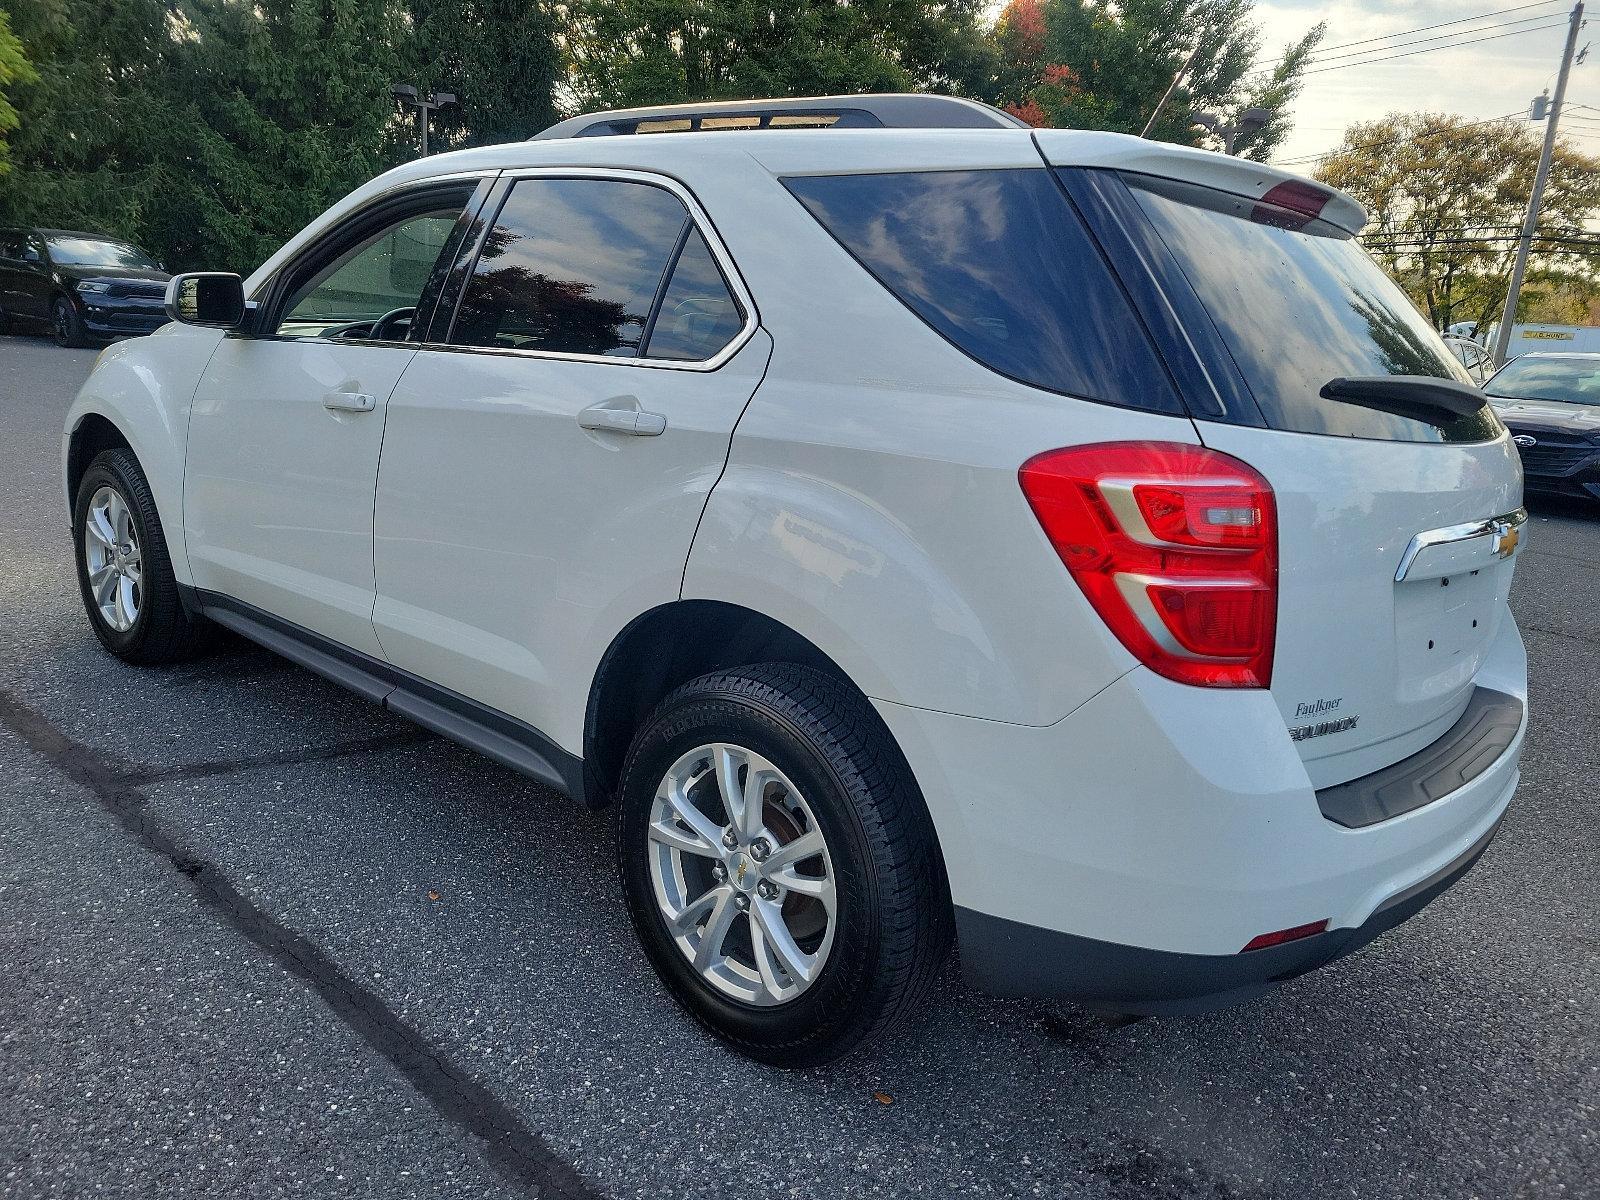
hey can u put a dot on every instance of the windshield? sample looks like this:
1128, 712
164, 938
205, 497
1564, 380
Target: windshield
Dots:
1566, 380
1299, 303
94, 252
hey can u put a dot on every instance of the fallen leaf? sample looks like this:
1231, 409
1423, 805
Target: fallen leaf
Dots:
433, 895
883, 1097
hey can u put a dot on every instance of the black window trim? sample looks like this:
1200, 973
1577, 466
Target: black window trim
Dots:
698, 220
272, 293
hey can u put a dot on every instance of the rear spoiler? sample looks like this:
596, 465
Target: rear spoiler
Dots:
1225, 173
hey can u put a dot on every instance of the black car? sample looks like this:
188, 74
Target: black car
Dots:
1551, 404
79, 286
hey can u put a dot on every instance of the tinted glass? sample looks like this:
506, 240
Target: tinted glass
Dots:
1298, 306
93, 252
999, 263
699, 315
385, 273
1567, 380
571, 266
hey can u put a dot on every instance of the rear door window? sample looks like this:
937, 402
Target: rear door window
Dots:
571, 266
699, 315
998, 263
1299, 303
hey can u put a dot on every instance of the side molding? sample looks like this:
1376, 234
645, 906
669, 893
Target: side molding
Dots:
508, 741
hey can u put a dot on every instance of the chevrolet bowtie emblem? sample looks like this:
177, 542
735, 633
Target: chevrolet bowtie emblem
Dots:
1505, 543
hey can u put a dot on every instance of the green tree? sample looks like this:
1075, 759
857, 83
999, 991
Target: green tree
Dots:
14, 69
1099, 64
628, 52
500, 59
1446, 199
208, 131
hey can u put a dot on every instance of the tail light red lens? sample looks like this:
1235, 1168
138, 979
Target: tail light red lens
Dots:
1175, 546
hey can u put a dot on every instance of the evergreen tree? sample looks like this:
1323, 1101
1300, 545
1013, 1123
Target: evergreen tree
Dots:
500, 59
629, 52
14, 69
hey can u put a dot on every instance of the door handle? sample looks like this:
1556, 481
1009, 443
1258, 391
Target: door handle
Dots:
622, 414
348, 402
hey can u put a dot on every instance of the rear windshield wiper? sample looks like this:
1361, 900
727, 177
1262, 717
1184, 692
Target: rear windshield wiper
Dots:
1426, 398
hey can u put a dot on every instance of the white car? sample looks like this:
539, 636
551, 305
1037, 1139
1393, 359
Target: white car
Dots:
920, 528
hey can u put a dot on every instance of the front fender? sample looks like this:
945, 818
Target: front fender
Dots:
144, 387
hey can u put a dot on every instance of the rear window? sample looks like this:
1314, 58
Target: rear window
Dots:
1299, 306
998, 263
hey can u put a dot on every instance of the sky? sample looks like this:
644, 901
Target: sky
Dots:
1489, 79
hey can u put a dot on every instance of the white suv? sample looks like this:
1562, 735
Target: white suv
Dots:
1055, 541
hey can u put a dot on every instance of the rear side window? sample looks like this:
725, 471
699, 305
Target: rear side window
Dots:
999, 263
571, 266
699, 315
1299, 303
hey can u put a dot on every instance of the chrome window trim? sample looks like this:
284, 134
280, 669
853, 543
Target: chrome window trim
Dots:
703, 225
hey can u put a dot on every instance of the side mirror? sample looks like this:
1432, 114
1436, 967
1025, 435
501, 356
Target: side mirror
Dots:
31, 254
214, 299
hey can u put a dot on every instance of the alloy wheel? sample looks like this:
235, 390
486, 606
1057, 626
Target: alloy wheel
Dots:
742, 874
112, 559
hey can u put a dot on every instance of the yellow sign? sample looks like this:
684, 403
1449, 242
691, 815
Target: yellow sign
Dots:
1547, 335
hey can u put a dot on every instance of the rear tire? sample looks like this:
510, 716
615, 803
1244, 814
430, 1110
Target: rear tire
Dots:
786, 982
124, 571
66, 326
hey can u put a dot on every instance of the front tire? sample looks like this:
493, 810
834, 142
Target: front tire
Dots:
124, 571
66, 326
779, 864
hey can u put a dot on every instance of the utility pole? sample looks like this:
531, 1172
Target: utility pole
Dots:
406, 95
1502, 338
1167, 95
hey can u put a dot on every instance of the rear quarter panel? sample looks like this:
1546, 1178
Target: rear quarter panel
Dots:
871, 499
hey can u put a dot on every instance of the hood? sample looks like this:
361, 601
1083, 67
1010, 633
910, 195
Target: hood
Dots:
1549, 414
81, 272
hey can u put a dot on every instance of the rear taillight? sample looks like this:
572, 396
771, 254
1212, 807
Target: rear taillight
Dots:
1175, 546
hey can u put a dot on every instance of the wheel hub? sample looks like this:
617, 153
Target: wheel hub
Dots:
742, 874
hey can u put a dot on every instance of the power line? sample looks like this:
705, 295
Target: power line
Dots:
1268, 66
1442, 37
1430, 49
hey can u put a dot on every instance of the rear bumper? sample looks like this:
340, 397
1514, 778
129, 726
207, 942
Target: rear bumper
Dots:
1124, 856
1008, 958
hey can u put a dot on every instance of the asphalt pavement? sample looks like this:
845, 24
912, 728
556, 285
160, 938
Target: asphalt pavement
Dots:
259, 938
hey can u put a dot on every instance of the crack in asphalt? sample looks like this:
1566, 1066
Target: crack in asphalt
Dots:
142, 776
519, 1154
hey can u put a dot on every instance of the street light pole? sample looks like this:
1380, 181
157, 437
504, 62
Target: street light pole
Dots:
406, 95
1502, 337
1248, 121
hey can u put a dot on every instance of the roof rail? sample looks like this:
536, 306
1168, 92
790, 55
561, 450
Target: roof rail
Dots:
884, 110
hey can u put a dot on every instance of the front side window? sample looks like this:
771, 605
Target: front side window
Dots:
571, 266
372, 289
999, 263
